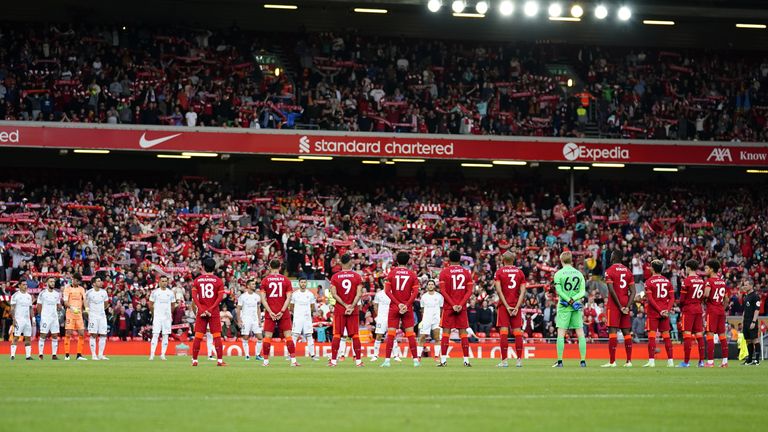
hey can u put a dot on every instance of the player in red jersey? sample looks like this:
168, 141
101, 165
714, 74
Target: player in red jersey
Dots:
276, 291
456, 288
714, 293
621, 290
658, 292
510, 286
402, 287
346, 289
691, 296
207, 294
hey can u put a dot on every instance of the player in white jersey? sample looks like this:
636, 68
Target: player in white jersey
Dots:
381, 310
162, 301
95, 300
48, 306
249, 319
21, 310
431, 306
303, 306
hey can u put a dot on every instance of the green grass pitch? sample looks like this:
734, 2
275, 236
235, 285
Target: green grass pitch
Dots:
131, 393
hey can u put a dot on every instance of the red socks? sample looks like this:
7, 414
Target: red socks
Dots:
444, 344
519, 344
700, 343
465, 345
628, 346
612, 345
724, 346
390, 343
335, 347
195, 346
412, 344
667, 344
651, 345
710, 347
504, 344
687, 342
356, 346
291, 347
267, 348
217, 344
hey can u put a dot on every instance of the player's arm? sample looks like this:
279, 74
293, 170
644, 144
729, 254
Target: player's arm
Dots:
707, 289
66, 298
468, 294
560, 290
336, 297
264, 303
446, 298
500, 293
612, 290
291, 305
13, 311
358, 295
683, 294
414, 292
289, 296
651, 300
239, 309
582, 289
521, 297
219, 299
632, 293
389, 293
32, 315
195, 298
375, 308
152, 301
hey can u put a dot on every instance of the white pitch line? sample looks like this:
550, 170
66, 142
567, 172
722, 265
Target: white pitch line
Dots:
170, 398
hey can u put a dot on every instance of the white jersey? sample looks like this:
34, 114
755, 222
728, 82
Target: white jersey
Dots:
162, 300
382, 300
23, 303
249, 302
95, 301
50, 301
431, 305
302, 304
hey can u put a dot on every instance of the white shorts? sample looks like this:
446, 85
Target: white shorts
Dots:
49, 325
161, 326
97, 325
381, 326
428, 325
251, 326
302, 326
24, 328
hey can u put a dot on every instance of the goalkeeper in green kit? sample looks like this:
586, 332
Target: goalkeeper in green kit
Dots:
571, 289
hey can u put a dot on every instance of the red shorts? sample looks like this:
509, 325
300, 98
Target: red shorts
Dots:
282, 325
716, 323
208, 323
616, 319
657, 323
395, 318
504, 320
692, 322
350, 323
454, 320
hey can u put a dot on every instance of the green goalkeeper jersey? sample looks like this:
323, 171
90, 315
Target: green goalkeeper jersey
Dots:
570, 284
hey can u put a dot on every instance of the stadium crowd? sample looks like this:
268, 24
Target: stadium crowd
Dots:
129, 233
346, 81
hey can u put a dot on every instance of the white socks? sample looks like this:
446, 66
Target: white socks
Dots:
102, 345
376, 347
437, 348
209, 345
28, 350
343, 347
259, 344
311, 345
41, 345
164, 346
55, 346
13, 349
419, 351
246, 347
92, 343
153, 344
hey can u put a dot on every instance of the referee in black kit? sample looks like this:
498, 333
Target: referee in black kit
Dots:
751, 327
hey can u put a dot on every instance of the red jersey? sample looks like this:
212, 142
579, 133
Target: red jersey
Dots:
511, 280
207, 293
716, 295
402, 286
691, 295
658, 291
455, 286
620, 277
346, 283
276, 288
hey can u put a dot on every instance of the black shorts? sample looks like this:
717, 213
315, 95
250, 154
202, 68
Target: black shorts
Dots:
749, 334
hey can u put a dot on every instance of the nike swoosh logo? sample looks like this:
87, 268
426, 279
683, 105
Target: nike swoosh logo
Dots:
145, 143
